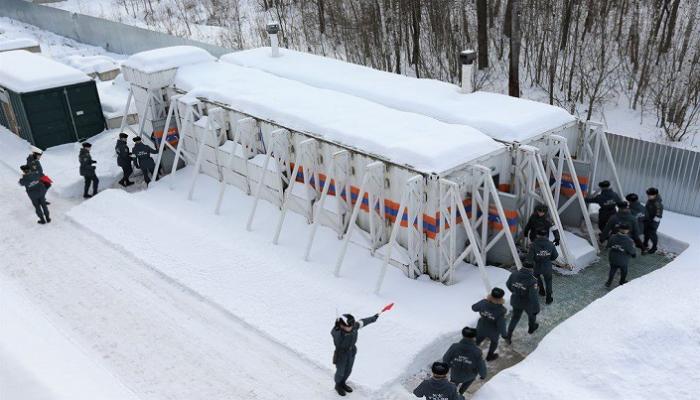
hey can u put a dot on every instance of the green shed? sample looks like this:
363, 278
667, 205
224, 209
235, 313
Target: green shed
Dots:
45, 102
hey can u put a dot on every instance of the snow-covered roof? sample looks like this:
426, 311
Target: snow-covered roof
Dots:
14, 44
499, 116
92, 64
167, 58
420, 142
22, 72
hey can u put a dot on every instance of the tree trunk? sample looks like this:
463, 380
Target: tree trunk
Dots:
514, 64
482, 37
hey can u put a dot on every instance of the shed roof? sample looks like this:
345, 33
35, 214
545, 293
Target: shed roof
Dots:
166, 58
23, 72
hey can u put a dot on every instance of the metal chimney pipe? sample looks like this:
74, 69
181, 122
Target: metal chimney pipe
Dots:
272, 30
466, 61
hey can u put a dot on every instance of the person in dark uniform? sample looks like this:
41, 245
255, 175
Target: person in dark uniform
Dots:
539, 220
542, 252
344, 338
637, 209
621, 250
607, 199
36, 192
652, 218
33, 161
87, 170
523, 287
143, 159
124, 159
465, 361
492, 321
438, 387
623, 216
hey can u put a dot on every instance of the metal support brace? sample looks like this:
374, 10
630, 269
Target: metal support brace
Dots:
213, 128
243, 124
182, 125
276, 136
125, 117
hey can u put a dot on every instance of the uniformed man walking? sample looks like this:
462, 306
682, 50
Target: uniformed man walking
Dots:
542, 253
33, 161
492, 321
124, 159
36, 192
143, 159
87, 170
523, 287
623, 216
621, 250
438, 387
607, 199
637, 209
652, 218
344, 338
539, 220
465, 361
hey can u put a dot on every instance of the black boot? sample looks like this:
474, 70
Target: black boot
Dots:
542, 292
509, 338
129, 183
48, 220
41, 221
608, 283
122, 182
533, 328
347, 388
652, 250
622, 282
340, 389
492, 357
549, 300
86, 196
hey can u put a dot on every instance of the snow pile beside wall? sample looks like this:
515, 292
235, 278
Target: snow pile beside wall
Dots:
499, 116
167, 58
639, 342
14, 44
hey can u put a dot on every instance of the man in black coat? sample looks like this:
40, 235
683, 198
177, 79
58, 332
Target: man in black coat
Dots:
33, 161
652, 218
492, 321
637, 209
438, 387
465, 361
143, 159
124, 159
621, 250
87, 170
523, 287
624, 216
539, 220
542, 252
36, 192
607, 199
344, 338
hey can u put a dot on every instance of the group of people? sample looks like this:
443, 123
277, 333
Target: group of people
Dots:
36, 183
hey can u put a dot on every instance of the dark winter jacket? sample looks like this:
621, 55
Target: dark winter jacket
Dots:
437, 389
621, 250
542, 253
607, 199
492, 321
536, 223
654, 211
465, 361
345, 341
622, 217
143, 156
35, 189
35, 165
86, 163
523, 287
639, 212
123, 153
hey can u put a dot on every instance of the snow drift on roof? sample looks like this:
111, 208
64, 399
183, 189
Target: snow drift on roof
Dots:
22, 72
15, 44
167, 58
403, 138
92, 64
499, 116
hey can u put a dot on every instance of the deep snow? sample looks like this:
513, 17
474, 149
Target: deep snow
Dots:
23, 72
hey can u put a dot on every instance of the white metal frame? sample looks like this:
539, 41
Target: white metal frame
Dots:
244, 131
592, 140
214, 130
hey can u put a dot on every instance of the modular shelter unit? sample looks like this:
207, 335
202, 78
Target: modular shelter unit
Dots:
45, 102
421, 191
540, 137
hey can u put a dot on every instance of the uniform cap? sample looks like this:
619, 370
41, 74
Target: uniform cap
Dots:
86, 145
541, 208
440, 368
497, 293
652, 191
123, 135
36, 150
604, 184
347, 320
468, 332
632, 197
623, 204
136, 139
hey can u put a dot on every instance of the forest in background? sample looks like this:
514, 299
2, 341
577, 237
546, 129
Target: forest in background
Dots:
577, 54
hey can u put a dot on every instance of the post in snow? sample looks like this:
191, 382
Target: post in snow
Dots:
466, 61
272, 30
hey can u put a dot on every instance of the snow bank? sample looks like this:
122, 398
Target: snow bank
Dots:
113, 97
61, 162
639, 342
15, 44
37, 362
24, 72
501, 117
92, 64
167, 58
273, 289
402, 138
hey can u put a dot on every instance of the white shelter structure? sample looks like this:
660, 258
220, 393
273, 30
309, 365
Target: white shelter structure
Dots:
550, 147
419, 192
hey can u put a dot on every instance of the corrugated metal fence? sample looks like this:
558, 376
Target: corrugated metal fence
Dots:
641, 164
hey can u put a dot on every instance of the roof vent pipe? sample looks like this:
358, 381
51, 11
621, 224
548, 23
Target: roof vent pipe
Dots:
466, 61
272, 29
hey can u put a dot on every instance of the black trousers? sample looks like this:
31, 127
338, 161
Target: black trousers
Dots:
42, 210
343, 367
547, 284
463, 386
493, 346
147, 174
91, 180
515, 318
603, 216
128, 170
613, 271
650, 234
